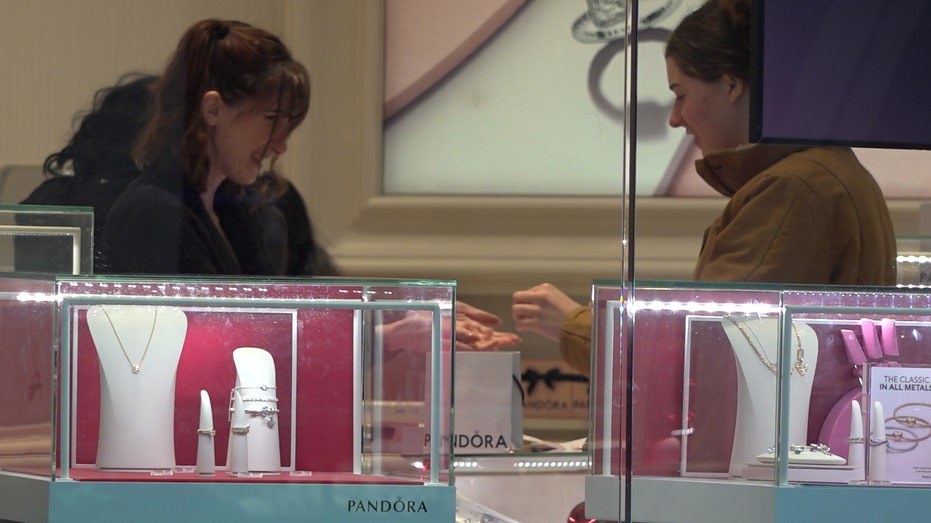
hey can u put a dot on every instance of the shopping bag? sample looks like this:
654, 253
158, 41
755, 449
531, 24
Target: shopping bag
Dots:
487, 402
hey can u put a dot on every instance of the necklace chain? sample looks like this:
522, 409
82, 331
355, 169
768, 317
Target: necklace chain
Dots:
136, 367
800, 366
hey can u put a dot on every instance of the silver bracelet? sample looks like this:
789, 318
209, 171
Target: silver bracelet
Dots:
257, 387
271, 423
798, 449
267, 400
267, 413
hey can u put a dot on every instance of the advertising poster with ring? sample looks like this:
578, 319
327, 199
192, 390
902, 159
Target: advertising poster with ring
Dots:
905, 394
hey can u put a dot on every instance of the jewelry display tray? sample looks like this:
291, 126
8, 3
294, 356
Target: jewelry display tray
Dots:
665, 403
344, 358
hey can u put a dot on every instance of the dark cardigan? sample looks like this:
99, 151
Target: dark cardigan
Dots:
156, 227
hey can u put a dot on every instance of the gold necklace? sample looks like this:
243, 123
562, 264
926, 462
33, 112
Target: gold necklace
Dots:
800, 366
136, 367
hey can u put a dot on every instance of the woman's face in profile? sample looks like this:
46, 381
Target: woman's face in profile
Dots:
712, 112
245, 135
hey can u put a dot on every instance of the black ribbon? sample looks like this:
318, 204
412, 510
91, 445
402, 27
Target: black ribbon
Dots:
549, 378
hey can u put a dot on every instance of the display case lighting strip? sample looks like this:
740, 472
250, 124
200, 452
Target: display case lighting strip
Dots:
707, 307
529, 464
560, 464
912, 258
34, 297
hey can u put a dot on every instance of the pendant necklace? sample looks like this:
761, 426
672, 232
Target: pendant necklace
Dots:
800, 366
136, 367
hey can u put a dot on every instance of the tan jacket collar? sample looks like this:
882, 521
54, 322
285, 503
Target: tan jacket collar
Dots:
727, 171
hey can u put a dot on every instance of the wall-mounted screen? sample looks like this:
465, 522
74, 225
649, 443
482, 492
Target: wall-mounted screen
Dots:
846, 72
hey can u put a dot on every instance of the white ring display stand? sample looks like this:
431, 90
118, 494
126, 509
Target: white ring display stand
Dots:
206, 463
878, 443
138, 347
856, 448
755, 427
257, 387
237, 458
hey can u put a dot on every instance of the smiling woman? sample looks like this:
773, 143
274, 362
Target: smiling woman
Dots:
225, 106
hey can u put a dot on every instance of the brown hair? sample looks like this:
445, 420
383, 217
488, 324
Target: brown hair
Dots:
713, 40
243, 64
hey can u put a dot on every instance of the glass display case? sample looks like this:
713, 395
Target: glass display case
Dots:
206, 399
790, 403
53, 240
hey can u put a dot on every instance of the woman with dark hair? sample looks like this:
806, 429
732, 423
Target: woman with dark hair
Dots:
94, 167
96, 164
223, 110
796, 214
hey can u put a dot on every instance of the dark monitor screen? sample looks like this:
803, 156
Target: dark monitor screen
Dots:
842, 72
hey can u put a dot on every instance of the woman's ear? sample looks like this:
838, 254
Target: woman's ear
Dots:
735, 87
210, 106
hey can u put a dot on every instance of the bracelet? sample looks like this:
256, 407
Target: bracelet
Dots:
271, 399
257, 387
239, 430
267, 413
264, 411
911, 421
814, 447
897, 432
798, 449
898, 436
811, 454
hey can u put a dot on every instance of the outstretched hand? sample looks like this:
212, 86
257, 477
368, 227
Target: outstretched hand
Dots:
542, 309
475, 330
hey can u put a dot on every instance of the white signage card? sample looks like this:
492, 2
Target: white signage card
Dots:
905, 394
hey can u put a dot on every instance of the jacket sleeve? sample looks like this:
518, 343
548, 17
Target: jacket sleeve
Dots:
575, 343
776, 233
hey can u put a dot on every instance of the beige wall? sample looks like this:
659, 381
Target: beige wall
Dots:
57, 53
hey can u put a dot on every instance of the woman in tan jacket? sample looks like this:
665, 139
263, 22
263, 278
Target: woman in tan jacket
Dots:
796, 214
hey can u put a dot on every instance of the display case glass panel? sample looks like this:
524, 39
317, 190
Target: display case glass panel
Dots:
224, 382
608, 376
43, 239
27, 420
761, 396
